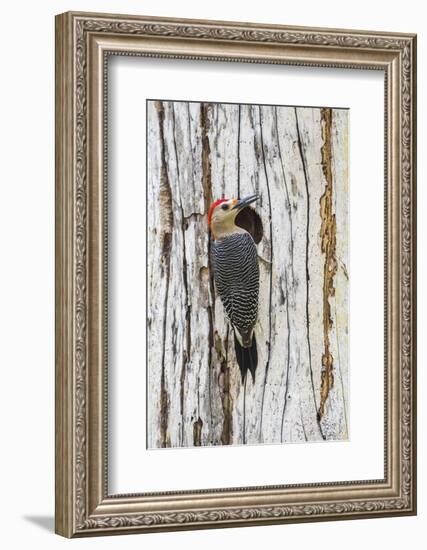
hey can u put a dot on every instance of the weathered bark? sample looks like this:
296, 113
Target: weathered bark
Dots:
295, 159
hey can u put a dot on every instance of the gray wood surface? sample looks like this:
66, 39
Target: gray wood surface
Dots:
296, 160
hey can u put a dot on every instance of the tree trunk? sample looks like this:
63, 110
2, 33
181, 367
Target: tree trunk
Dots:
295, 159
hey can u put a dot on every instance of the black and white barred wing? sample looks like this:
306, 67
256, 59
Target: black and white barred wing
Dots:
236, 274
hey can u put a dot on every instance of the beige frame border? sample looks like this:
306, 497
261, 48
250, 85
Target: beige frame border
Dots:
83, 42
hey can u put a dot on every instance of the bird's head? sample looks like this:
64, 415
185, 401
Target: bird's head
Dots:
222, 215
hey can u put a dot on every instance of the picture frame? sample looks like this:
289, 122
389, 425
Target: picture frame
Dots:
84, 505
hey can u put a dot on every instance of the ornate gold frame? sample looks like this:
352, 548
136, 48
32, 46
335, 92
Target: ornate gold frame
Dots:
83, 42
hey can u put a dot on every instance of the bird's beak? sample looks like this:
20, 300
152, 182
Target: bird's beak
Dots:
246, 201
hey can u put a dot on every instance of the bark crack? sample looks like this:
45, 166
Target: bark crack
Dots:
226, 398
197, 432
207, 194
307, 271
328, 247
166, 228
238, 151
270, 272
288, 204
186, 352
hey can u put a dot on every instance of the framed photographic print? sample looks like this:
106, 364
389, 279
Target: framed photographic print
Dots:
235, 274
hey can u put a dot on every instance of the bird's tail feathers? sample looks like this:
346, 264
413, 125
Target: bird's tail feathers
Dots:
247, 356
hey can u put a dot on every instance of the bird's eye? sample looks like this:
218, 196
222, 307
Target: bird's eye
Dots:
224, 206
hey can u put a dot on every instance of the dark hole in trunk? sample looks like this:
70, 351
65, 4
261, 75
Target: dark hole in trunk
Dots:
248, 219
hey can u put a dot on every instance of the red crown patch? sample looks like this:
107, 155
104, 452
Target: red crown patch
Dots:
212, 208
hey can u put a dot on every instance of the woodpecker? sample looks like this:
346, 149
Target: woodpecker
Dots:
234, 259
